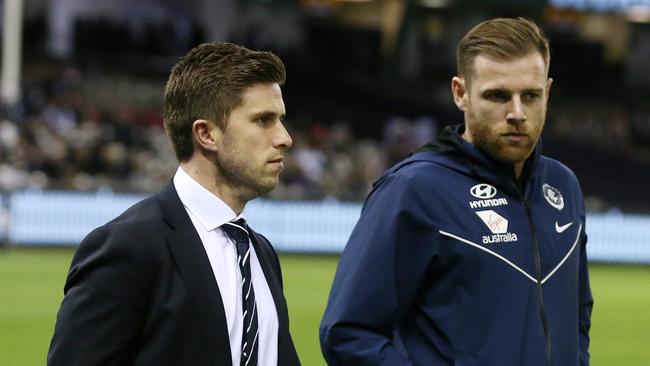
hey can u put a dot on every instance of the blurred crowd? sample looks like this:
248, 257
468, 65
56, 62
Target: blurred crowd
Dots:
62, 137
329, 162
620, 129
72, 132
90, 132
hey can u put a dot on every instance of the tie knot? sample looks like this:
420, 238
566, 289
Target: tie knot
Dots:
236, 230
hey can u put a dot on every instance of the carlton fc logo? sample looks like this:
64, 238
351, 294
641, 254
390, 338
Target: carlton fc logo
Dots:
553, 196
483, 191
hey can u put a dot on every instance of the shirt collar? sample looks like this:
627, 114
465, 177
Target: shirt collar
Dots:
209, 209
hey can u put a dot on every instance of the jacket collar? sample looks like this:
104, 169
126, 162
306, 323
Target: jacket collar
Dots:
209, 209
471, 160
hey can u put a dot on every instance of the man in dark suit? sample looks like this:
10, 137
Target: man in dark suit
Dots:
179, 278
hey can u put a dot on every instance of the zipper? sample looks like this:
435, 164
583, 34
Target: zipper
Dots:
538, 263
538, 277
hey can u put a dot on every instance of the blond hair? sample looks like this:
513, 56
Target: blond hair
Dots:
502, 39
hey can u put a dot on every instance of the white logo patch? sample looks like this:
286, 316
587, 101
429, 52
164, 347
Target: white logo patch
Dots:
495, 222
483, 191
498, 225
553, 196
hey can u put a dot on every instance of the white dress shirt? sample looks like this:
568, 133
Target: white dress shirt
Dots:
208, 212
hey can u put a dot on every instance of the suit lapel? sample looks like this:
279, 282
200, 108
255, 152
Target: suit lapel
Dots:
287, 355
194, 267
264, 254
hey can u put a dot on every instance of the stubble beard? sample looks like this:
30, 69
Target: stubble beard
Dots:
498, 147
238, 176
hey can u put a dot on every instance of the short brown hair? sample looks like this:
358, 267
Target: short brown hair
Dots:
208, 83
502, 39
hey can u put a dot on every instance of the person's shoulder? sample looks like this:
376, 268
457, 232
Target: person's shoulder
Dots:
424, 164
557, 168
142, 214
416, 174
139, 222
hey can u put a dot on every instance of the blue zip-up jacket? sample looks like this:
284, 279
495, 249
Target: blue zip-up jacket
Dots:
453, 262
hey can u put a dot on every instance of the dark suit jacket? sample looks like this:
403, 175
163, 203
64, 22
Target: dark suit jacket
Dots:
141, 291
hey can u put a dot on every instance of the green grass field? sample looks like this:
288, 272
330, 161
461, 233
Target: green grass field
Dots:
31, 282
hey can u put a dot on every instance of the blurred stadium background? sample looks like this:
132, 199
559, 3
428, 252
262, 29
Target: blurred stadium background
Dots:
81, 134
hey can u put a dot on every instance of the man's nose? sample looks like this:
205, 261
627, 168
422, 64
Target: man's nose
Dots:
516, 112
282, 139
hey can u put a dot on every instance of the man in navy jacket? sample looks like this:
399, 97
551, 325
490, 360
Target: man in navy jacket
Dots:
472, 250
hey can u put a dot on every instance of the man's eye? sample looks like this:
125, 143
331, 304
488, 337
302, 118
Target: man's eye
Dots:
531, 97
497, 96
264, 120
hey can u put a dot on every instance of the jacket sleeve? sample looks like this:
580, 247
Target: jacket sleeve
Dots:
99, 320
586, 304
376, 283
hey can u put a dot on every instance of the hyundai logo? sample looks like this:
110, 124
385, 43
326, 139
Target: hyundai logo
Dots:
483, 191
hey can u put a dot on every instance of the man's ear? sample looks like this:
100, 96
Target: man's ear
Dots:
549, 82
459, 92
206, 134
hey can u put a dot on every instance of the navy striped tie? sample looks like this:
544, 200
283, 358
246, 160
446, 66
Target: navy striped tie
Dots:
238, 232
